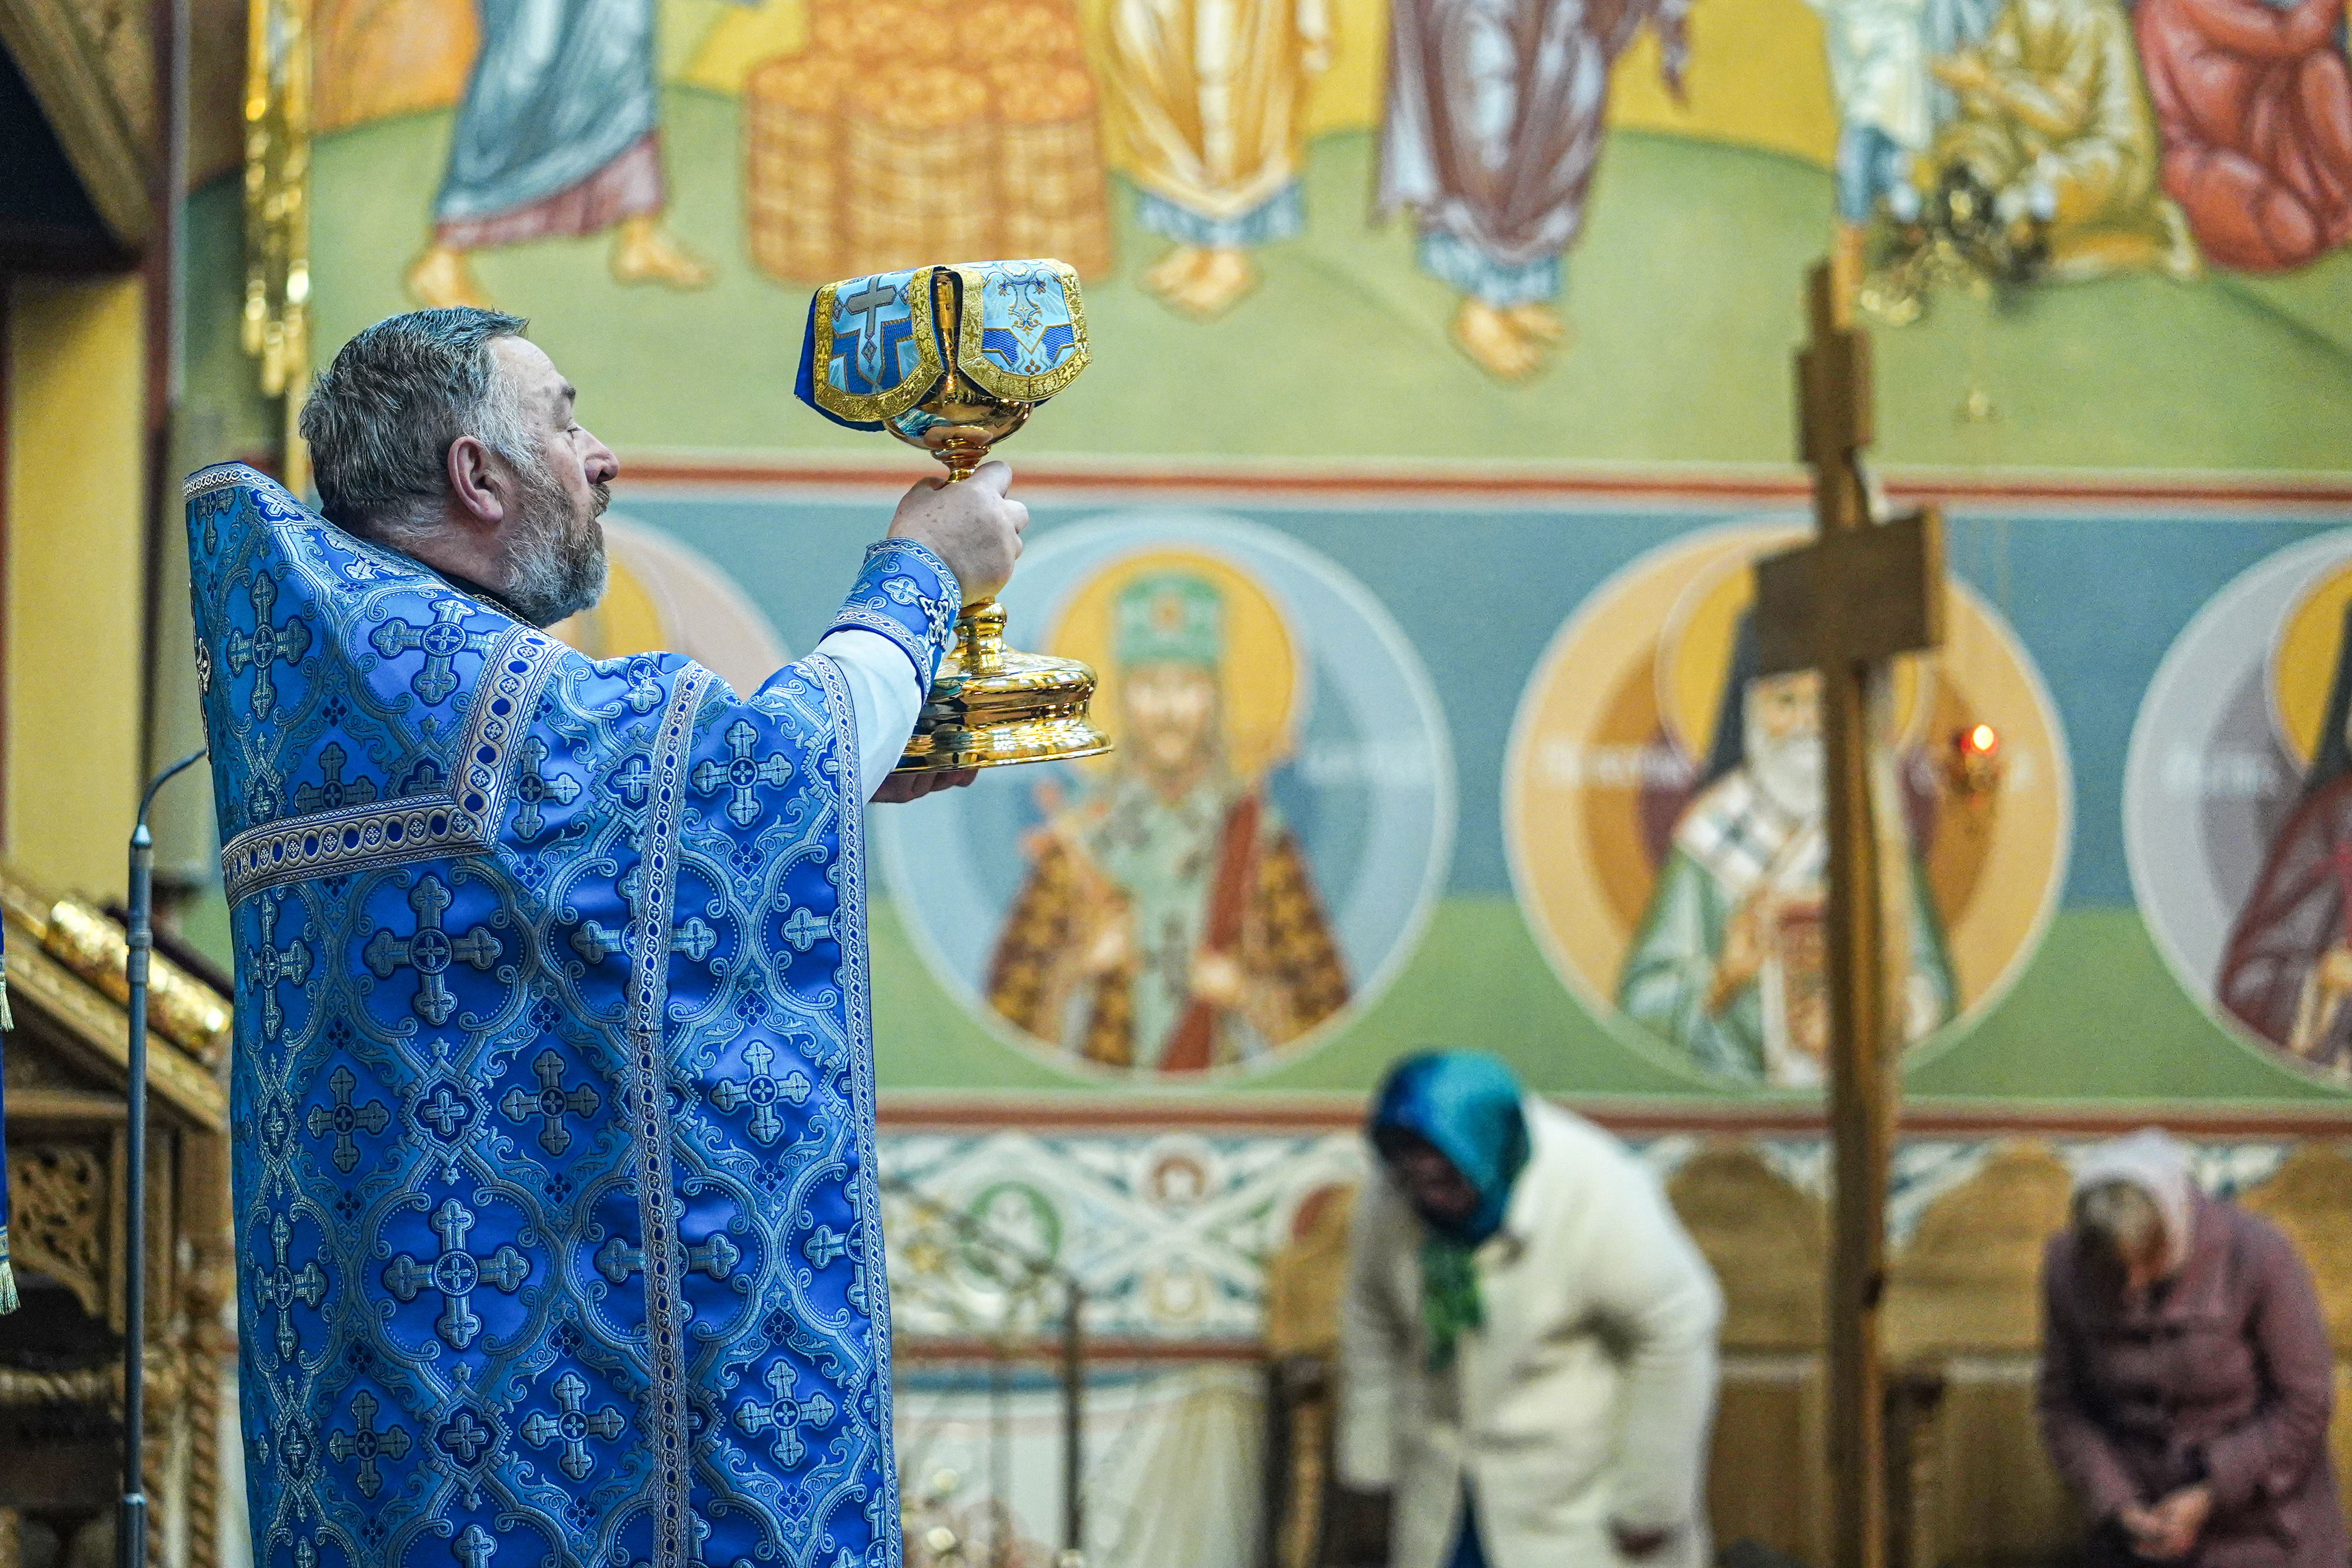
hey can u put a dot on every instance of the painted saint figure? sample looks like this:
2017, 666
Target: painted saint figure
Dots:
1212, 99
2287, 973
558, 135
1731, 962
1492, 135
1169, 922
2257, 109
1888, 106
2053, 120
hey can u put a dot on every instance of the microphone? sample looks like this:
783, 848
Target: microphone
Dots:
131, 1529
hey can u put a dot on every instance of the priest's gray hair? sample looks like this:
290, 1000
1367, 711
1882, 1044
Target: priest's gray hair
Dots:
379, 420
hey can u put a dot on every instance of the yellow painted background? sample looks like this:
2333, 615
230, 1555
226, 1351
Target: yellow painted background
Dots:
76, 593
1758, 74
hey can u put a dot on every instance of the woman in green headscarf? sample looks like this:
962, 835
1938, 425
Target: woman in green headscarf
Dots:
1529, 1335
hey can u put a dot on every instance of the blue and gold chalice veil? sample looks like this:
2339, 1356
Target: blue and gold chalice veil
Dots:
953, 359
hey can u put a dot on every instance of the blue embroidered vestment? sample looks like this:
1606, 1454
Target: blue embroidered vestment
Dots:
557, 1228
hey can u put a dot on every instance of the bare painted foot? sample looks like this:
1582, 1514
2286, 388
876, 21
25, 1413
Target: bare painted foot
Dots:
1540, 323
1216, 285
1494, 343
1171, 274
645, 252
440, 280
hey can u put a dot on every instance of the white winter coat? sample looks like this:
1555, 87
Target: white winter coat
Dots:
1586, 1398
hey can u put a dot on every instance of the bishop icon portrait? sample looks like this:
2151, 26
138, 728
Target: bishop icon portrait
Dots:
1250, 864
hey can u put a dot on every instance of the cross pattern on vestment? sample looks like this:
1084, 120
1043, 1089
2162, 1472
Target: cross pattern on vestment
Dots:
759, 1090
364, 1443
445, 1111
874, 296
552, 1103
715, 1256
343, 1118
456, 1273
596, 942
634, 778
574, 1427
532, 787
280, 1285
475, 1547
334, 794
784, 1416
442, 639
805, 926
1861, 593
463, 1436
741, 771
266, 644
939, 614
430, 950
825, 1245
645, 693
274, 966
616, 1261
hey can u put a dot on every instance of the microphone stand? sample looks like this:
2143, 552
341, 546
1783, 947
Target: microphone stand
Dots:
131, 1527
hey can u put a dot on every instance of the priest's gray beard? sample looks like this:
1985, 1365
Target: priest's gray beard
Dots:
1787, 771
555, 561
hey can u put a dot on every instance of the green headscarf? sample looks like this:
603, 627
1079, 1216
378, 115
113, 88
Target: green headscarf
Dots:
1468, 1107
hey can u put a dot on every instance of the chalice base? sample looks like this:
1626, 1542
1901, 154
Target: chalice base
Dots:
992, 706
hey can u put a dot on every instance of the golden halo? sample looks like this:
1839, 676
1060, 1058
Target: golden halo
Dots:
1258, 670
2302, 660
1695, 654
1575, 775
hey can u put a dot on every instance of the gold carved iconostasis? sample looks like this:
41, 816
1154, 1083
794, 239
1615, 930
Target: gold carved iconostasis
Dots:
1405, 513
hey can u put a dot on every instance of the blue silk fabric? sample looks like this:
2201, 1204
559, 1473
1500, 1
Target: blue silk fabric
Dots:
1467, 1106
554, 1098
876, 347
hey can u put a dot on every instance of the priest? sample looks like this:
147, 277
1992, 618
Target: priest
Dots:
557, 1225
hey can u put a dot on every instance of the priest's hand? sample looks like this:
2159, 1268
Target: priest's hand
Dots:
972, 526
899, 788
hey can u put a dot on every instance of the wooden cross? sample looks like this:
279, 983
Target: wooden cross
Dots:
1844, 604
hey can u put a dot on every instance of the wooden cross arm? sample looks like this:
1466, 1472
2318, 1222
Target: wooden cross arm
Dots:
1852, 596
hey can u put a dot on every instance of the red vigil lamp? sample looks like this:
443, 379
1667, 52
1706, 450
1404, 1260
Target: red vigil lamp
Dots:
1973, 769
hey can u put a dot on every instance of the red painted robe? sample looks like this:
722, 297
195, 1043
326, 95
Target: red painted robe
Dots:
2276, 975
2256, 108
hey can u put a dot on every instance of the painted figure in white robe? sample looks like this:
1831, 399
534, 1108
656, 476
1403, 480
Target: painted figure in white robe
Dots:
1492, 135
1211, 95
558, 135
1889, 104
1731, 962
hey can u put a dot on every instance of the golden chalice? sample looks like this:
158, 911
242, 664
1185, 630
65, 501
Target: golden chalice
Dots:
953, 359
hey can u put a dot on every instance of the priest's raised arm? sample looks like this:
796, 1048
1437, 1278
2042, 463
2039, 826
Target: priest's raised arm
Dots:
554, 1090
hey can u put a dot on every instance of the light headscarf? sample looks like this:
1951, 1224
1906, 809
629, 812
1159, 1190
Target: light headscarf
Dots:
1467, 1106
2159, 1165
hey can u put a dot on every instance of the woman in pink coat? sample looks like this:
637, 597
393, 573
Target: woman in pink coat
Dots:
2185, 1374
